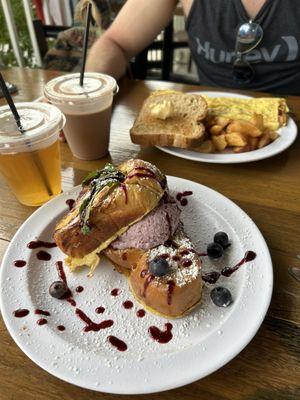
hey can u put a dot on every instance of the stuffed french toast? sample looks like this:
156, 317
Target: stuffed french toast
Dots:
126, 214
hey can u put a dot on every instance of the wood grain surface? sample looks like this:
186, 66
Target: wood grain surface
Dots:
269, 191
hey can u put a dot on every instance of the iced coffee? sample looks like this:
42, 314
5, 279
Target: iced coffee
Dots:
87, 110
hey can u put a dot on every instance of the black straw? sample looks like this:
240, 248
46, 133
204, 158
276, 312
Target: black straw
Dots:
11, 103
85, 42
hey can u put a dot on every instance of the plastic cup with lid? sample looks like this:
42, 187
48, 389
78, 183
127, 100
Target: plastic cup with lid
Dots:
87, 110
30, 161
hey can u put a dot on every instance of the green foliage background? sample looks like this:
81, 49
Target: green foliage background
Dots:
7, 57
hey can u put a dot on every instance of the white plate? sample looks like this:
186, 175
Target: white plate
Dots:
287, 136
202, 341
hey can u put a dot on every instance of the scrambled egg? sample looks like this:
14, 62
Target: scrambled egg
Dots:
237, 108
92, 259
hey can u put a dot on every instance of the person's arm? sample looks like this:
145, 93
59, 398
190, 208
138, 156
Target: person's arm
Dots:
135, 27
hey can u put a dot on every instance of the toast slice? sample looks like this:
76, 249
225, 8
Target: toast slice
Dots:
170, 118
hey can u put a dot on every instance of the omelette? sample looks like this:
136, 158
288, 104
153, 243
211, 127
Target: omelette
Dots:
273, 109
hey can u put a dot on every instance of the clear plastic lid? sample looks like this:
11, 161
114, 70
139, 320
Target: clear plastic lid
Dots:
66, 88
40, 121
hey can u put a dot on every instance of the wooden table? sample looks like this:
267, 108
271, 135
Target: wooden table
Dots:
269, 191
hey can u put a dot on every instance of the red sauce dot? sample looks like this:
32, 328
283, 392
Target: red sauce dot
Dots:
128, 304
164, 256
19, 263
61, 327
115, 292
41, 321
140, 313
186, 263
184, 202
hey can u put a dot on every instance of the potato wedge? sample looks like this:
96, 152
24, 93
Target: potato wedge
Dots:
219, 142
264, 140
258, 121
253, 142
273, 134
244, 127
242, 149
216, 130
206, 147
222, 121
235, 139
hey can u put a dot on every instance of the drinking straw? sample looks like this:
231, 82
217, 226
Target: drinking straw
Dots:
11, 104
17, 118
85, 42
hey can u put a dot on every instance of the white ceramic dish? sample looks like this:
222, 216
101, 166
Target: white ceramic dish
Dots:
202, 341
287, 136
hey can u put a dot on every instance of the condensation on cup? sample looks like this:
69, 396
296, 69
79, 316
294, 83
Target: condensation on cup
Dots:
87, 110
30, 161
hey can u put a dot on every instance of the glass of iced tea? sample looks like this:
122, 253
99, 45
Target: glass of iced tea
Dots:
30, 161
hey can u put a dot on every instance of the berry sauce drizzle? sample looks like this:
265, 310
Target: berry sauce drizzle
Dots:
99, 310
21, 312
71, 301
61, 328
124, 189
35, 244
79, 289
159, 335
90, 325
61, 272
149, 174
41, 321
183, 202
43, 255
148, 280
128, 304
140, 313
171, 286
213, 276
42, 312
20, 263
181, 197
115, 292
70, 203
249, 256
62, 276
117, 343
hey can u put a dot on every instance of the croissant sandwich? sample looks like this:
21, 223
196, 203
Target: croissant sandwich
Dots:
128, 215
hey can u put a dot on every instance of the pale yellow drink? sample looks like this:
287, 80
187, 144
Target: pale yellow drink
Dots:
30, 162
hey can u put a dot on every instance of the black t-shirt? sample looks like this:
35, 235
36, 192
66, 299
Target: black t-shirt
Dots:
212, 27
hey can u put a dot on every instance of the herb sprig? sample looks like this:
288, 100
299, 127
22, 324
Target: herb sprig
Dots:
108, 176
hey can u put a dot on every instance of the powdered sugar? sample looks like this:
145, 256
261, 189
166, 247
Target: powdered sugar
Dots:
184, 262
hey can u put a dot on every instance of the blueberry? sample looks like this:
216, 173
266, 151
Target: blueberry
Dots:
159, 267
221, 296
214, 250
222, 239
58, 289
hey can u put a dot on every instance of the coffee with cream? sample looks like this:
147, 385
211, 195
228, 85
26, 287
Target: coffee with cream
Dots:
87, 109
